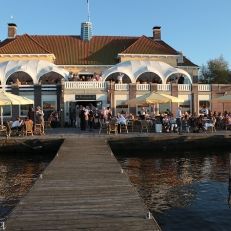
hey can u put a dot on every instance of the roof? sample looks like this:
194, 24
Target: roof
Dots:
186, 62
23, 44
145, 45
72, 50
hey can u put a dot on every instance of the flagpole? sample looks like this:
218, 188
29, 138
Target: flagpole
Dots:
88, 10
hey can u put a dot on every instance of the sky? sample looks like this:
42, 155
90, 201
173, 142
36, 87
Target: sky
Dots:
198, 28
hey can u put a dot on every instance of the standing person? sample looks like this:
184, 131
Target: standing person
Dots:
77, 119
82, 119
178, 119
40, 118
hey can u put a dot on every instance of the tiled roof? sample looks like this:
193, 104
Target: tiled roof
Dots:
187, 62
72, 50
145, 45
23, 44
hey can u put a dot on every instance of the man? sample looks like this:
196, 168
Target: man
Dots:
17, 126
178, 119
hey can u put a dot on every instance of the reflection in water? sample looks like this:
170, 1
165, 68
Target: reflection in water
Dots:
184, 191
17, 174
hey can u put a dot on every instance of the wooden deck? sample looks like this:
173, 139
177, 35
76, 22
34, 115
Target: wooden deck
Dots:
83, 188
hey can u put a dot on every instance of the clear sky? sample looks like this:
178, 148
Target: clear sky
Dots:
201, 29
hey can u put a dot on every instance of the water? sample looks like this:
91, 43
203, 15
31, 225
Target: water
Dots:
18, 173
187, 191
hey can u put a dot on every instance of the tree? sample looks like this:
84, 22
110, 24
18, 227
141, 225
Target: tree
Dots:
216, 71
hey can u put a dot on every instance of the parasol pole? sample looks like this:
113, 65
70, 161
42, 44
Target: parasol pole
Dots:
1, 112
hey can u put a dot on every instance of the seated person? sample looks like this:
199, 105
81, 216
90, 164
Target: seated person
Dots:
28, 121
121, 119
17, 125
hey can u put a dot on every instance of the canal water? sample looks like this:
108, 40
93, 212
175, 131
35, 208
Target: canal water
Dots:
18, 172
184, 191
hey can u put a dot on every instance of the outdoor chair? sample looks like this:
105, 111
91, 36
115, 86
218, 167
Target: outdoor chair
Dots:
123, 128
3, 130
130, 125
144, 125
112, 127
38, 129
28, 128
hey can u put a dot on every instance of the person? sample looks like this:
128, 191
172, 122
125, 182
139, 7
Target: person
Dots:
77, 119
121, 121
17, 125
39, 114
178, 119
31, 114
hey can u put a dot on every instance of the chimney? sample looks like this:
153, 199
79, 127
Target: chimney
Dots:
12, 30
156, 32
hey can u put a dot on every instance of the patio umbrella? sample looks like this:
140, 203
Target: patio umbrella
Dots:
155, 97
7, 98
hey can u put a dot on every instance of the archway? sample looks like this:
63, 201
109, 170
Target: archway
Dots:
149, 77
50, 78
115, 77
178, 78
19, 77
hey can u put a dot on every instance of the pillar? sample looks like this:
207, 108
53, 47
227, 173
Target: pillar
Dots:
15, 108
132, 95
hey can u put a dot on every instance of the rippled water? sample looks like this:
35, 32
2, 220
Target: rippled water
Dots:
17, 175
187, 191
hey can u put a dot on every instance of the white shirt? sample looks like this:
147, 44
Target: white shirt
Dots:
16, 124
178, 113
121, 120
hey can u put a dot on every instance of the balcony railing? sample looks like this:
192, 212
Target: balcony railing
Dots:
85, 85
143, 87
163, 87
204, 87
184, 87
122, 87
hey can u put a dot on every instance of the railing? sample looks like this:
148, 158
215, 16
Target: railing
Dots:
163, 87
21, 87
184, 87
204, 87
85, 85
143, 87
49, 87
121, 87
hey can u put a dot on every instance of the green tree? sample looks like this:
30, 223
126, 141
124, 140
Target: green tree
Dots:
216, 71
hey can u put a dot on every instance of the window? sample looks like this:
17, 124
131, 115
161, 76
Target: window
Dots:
7, 110
24, 109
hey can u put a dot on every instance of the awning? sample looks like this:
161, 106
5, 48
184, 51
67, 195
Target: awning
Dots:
34, 68
133, 69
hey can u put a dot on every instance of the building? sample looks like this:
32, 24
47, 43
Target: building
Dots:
58, 72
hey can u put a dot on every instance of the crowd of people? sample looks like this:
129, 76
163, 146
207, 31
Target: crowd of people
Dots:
34, 117
89, 117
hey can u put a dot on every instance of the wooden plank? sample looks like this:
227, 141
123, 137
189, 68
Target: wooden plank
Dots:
82, 189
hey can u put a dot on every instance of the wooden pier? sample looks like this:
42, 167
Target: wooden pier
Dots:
83, 188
